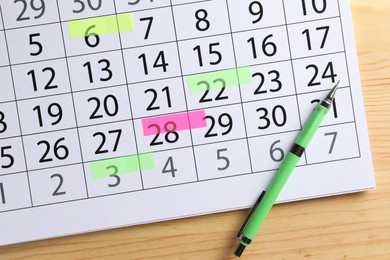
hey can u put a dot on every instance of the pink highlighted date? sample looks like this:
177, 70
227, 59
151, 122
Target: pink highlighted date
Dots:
174, 123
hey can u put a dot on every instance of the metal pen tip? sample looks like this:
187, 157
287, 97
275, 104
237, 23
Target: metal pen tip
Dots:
332, 93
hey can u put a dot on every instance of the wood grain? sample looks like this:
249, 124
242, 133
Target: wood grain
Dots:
353, 226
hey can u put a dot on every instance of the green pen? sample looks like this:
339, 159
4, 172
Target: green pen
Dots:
268, 197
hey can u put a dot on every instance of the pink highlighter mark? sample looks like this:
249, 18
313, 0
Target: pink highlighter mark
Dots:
176, 122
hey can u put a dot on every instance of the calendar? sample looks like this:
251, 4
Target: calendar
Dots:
123, 112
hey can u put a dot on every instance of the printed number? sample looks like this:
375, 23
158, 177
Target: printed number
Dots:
276, 153
137, 2
278, 121
316, 8
152, 106
49, 82
2, 193
57, 191
219, 96
334, 136
256, 9
326, 32
61, 152
37, 8
170, 137
223, 158
89, 36
202, 24
106, 69
36, 43
3, 124
328, 73
111, 112
159, 62
224, 123
54, 110
94, 5
334, 106
211, 52
269, 48
169, 167
100, 150
150, 22
275, 79
9, 157
114, 175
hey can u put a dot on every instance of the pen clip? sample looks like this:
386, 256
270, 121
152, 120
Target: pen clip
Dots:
250, 214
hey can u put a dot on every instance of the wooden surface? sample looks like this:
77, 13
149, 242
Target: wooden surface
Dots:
353, 226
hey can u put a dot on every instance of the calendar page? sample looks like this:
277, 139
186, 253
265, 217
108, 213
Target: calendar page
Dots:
122, 112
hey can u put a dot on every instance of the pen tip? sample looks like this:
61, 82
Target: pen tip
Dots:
332, 93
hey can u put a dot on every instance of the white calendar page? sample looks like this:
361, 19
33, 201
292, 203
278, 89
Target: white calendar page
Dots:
116, 113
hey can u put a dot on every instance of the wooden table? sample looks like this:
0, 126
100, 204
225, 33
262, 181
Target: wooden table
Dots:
355, 226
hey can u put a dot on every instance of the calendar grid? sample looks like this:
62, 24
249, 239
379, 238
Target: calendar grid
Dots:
173, 77
173, 185
181, 40
156, 8
73, 102
137, 118
185, 98
17, 112
239, 87
348, 75
187, 74
293, 74
129, 83
131, 109
199, 145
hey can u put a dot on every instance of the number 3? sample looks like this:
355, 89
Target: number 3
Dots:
114, 175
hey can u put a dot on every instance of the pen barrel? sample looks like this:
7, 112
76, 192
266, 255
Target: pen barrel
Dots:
281, 176
311, 126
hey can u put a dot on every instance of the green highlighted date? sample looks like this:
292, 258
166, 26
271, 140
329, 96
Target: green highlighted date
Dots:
101, 25
121, 165
219, 79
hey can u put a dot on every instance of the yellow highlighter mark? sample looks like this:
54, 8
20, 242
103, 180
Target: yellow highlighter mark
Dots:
101, 25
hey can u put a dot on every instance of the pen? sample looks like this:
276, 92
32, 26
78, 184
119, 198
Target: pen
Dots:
268, 197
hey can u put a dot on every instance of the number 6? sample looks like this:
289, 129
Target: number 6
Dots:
273, 151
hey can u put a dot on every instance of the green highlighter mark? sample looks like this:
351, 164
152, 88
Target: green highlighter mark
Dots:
122, 165
219, 79
101, 25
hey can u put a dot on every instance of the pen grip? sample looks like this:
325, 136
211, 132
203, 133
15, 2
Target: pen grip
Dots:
271, 194
311, 126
